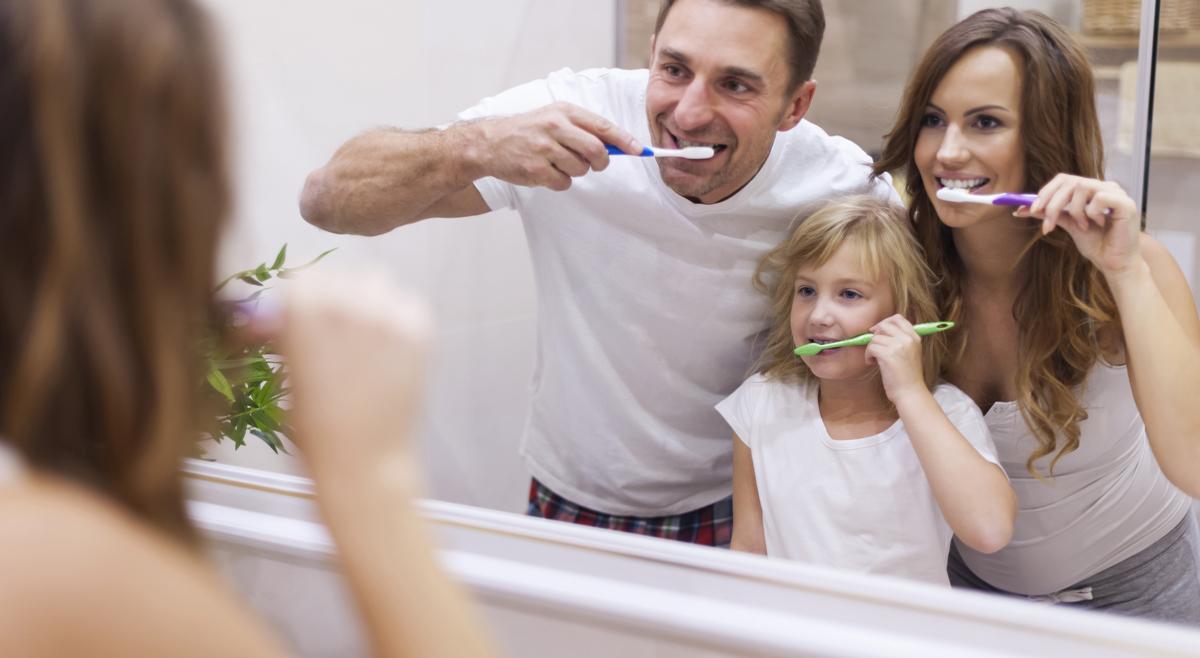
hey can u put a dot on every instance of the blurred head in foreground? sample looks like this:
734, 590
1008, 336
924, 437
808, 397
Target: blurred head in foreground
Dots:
113, 189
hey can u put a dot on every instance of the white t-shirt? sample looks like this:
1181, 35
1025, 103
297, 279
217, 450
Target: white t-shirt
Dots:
1108, 500
859, 504
646, 314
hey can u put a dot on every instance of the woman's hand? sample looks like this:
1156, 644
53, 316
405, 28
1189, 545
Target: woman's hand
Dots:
1098, 215
896, 347
356, 353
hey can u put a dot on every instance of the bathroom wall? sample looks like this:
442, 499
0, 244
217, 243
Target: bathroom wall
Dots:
306, 75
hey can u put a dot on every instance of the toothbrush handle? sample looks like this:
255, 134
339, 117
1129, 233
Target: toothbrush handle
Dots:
615, 150
862, 339
1011, 199
931, 327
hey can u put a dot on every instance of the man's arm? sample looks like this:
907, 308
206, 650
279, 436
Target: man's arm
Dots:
388, 178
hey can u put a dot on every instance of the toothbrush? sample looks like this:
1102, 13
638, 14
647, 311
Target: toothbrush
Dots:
809, 349
1006, 199
689, 153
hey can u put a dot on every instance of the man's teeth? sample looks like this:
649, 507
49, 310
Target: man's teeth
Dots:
962, 184
683, 143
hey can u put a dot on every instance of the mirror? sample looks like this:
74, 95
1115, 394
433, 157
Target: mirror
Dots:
306, 79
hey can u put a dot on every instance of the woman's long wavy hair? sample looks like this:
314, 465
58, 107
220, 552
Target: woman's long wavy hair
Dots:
113, 189
1064, 300
885, 249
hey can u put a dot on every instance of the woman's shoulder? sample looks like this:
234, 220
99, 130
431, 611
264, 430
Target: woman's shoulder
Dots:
71, 559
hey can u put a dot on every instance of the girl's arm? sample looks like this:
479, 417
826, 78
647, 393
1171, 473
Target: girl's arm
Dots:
1158, 314
748, 533
972, 493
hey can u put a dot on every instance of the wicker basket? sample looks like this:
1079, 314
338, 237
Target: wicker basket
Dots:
1124, 16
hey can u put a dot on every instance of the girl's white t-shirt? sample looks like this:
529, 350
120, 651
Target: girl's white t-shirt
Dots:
860, 504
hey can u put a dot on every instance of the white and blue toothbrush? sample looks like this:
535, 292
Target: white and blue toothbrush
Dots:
689, 153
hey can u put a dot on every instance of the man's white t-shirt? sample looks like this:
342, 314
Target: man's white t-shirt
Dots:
646, 314
859, 504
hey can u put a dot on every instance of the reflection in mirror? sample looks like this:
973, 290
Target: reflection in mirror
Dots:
478, 275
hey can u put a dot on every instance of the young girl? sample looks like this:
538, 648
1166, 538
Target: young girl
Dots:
857, 457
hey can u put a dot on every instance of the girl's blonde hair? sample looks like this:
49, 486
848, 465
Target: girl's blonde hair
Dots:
885, 248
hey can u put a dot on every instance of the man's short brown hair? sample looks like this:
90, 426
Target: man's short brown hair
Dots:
806, 27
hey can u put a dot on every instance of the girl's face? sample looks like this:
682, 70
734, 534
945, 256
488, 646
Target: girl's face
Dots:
837, 301
970, 135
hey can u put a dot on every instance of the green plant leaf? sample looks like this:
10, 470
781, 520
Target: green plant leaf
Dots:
261, 273
238, 433
287, 273
271, 439
226, 281
279, 259
218, 382
246, 278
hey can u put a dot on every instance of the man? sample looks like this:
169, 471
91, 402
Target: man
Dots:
646, 313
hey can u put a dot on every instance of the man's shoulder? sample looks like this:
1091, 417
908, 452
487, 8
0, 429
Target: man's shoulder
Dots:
819, 145
832, 163
598, 88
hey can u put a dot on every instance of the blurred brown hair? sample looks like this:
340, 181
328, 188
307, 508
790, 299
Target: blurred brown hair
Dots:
113, 189
1064, 300
806, 28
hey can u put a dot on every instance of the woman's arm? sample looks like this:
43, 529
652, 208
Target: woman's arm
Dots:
972, 493
356, 356
1159, 322
748, 532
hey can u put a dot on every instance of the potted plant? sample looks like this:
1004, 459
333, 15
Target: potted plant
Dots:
246, 381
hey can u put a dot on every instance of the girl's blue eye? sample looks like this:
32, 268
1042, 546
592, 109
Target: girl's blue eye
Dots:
805, 291
850, 294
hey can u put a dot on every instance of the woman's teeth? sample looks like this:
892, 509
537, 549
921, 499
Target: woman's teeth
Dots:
968, 184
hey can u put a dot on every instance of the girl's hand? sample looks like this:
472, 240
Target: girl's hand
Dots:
1098, 215
896, 347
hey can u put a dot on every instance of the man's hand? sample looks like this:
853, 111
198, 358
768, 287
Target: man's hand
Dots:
546, 147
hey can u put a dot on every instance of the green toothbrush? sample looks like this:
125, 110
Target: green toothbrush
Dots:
810, 349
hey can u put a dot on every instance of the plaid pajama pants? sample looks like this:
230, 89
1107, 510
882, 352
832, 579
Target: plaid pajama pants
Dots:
709, 526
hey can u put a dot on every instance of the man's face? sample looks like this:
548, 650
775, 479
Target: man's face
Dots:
719, 77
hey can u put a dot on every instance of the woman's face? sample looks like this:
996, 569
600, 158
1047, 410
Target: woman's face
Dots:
970, 134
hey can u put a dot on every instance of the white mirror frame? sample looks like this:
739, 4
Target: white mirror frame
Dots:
548, 588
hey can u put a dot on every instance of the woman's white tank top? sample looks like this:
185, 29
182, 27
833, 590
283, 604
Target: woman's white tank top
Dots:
1107, 500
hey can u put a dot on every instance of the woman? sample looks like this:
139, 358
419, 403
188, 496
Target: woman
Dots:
1079, 337
113, 188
